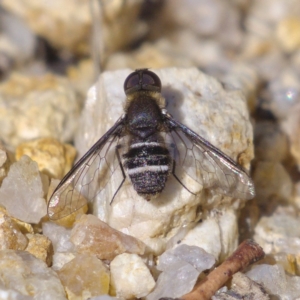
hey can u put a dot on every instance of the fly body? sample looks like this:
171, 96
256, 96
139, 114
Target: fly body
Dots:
157, 147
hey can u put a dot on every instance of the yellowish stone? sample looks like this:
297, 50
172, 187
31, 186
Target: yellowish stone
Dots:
53, 157
10, 235
41, 247
91, 235
35, 107
85, 276
288, 33
23, 226
130, 277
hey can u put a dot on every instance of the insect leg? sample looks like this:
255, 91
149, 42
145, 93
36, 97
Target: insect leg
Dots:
123, 173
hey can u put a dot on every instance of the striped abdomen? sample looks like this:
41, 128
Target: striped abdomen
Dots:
148, 166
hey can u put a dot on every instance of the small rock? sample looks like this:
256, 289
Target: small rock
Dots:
24, 227
275, 281
22, 192
35, 107
10, 235
243, 287
24, 273
223, 237
130, 277
288, 33
53, 158
91, 235
41, 247
193, 255
12, 294
84, 276
17, 42
59, 236
279, 232
181, 268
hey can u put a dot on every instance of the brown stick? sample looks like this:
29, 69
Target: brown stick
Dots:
247, 253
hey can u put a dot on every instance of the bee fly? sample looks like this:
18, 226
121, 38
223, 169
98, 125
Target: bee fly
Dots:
158, 146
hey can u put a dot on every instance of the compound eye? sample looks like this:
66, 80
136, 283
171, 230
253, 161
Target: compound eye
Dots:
132, 81
142, 79
151, 81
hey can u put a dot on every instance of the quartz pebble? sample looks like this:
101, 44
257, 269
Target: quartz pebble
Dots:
198, 99
12, 294
28, 275
44, 106
22, 192
41, 247
195, 256
242, 287
279, 232
17, 42
91, 235
10, 235
222, 223
130, 277
275, 281
59, 236
181, 268
84, 276
53, 158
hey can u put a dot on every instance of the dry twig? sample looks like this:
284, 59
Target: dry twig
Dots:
246, 254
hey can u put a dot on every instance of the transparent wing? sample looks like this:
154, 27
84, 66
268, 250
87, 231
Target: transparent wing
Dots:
90, 175
198, 164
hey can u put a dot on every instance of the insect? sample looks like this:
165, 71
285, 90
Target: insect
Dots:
148, 145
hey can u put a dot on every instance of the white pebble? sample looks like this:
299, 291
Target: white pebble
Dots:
28, 275
130, 277
275, 281
22, 192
